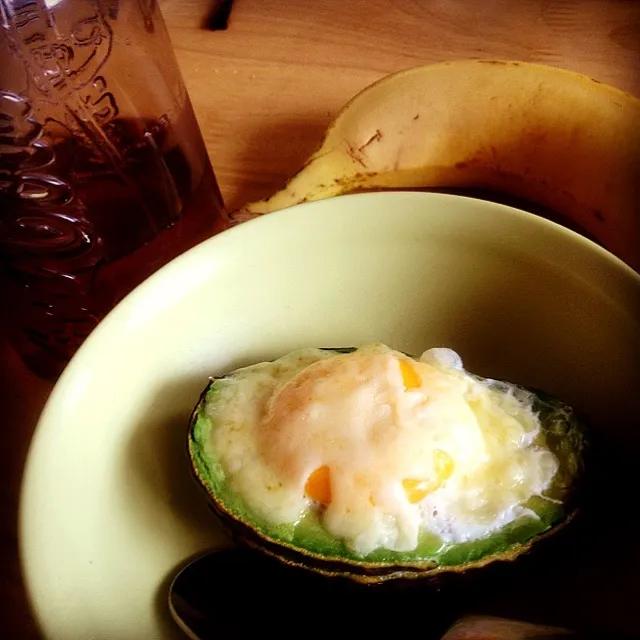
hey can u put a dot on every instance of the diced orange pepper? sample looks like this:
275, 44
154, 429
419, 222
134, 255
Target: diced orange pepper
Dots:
418, 489
409, 375
318, 486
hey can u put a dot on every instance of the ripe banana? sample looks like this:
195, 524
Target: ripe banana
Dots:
549, 136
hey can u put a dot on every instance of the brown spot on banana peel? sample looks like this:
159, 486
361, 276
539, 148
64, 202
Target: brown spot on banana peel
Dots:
354, 181
352, 152
241, 215
358, 154
506, 63
374, 138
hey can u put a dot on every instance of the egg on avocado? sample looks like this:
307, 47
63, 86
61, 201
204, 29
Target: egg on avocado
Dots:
372, 464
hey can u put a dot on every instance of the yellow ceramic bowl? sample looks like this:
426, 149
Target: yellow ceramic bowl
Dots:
109, 508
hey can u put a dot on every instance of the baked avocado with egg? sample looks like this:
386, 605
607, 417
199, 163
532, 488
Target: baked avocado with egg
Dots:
373, 465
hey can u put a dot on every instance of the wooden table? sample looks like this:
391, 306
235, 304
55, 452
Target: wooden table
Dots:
265, 89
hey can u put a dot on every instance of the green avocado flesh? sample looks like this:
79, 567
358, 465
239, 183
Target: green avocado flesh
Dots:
309, 544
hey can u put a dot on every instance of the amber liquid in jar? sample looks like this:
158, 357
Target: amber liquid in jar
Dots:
82, 223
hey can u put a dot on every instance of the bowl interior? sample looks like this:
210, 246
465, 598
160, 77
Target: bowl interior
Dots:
108, 498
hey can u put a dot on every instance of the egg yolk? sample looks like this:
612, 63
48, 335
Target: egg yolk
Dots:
318, 485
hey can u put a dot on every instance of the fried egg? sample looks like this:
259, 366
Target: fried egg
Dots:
381, 446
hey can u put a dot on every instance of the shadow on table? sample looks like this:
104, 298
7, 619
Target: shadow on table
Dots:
284, 147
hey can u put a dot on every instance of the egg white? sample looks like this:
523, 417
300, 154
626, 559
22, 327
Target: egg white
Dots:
277, 422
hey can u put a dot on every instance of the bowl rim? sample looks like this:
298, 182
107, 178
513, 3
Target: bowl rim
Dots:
278, 218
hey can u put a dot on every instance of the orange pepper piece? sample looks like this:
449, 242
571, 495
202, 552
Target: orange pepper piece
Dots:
318, 486
418, 489
409, 376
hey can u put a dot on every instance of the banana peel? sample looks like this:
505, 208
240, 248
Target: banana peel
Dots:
549, 136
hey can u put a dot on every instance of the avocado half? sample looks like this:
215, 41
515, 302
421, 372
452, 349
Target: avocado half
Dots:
309, 546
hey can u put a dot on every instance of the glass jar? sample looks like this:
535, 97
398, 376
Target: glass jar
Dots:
104, 175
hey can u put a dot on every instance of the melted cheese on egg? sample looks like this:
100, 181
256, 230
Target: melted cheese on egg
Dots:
383, 445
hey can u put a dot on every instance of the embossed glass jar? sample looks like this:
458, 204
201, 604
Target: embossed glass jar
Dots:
104, 175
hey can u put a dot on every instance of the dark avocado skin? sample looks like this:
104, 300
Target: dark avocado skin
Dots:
565, 434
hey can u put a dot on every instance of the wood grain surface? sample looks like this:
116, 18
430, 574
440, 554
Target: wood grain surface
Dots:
266, 88
264, 91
